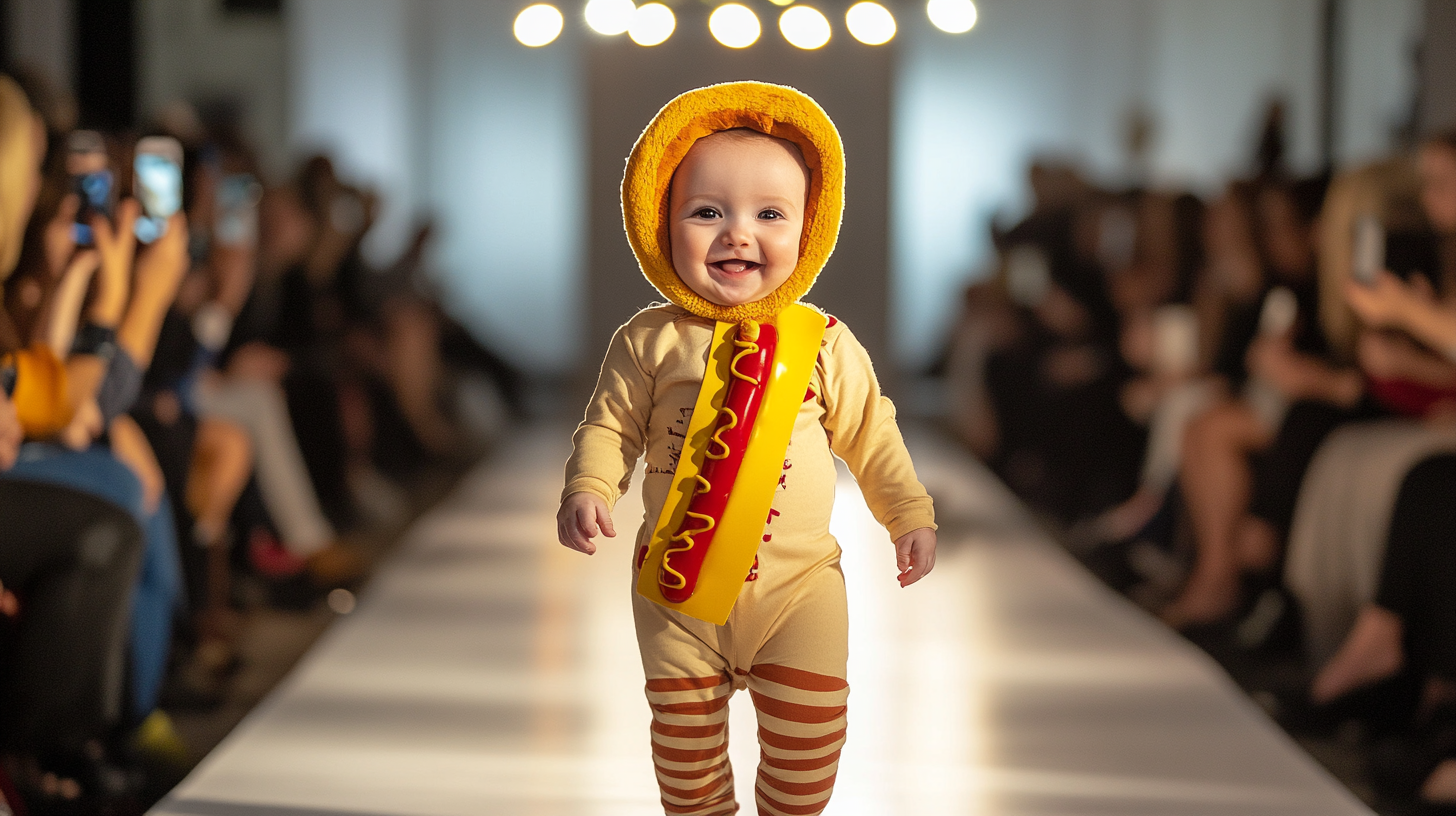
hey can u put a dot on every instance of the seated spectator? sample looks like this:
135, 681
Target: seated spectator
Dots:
1239, 506
68, 560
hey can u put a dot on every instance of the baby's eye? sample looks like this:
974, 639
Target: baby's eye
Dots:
706, 212
770, 215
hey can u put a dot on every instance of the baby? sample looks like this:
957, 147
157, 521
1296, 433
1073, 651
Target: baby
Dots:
740, 397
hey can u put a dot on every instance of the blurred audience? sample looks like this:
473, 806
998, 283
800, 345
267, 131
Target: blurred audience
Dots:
197, 395
1244, 416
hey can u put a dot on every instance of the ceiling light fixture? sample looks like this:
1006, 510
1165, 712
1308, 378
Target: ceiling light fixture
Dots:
870, 23
610, 17
804, 27
652, 24
952, 16
734, 25
538, 25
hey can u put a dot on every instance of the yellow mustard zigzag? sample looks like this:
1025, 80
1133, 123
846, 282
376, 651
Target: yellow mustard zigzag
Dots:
744, 339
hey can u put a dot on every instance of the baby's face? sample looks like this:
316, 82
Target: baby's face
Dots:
737, 210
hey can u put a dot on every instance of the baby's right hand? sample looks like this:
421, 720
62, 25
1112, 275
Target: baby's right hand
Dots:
581, 517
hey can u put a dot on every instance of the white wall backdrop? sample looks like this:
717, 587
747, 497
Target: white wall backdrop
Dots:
350, 95
436, 104
194, 50
505, 173
1378, 81
1058, 77
41, 36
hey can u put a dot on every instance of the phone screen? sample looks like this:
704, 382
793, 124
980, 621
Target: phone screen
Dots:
1028, 275
1368, 253
1175, 340
1280, 311
158, 185
237, 210
91, 181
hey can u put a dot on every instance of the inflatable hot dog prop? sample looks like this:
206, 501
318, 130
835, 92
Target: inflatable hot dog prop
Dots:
712, 522
748, 373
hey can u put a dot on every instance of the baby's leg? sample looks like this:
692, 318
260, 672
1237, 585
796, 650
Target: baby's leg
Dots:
688, 685
799, 689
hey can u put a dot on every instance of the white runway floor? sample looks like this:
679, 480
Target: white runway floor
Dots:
487, 670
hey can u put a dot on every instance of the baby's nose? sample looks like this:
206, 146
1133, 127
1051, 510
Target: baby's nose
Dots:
737, 235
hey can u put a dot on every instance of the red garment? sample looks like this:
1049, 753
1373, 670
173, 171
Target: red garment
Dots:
1409, 398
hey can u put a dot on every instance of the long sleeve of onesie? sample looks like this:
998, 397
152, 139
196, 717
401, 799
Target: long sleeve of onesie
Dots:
862, 431
614, 432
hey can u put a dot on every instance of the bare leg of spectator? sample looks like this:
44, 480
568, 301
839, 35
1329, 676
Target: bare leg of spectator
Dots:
1216, 484
282, 476
1440, 786
414, 370
222, 462
1371, 652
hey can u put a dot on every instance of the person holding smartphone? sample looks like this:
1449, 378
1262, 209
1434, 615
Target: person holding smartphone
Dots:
1388, 302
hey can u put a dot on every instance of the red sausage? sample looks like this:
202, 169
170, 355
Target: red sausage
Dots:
743, 400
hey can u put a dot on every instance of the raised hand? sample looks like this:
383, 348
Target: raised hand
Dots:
161, 266
116, 244
60, 238
160, 269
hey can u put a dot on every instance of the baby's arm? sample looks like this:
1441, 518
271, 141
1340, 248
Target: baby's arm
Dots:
862, 431
606, 447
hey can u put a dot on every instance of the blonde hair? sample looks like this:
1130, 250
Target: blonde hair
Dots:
1386, 190
18, 164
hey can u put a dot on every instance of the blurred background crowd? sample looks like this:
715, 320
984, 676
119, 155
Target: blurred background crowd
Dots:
243, 342
210, 402
1241, 412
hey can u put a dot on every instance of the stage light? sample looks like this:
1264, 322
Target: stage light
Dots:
610, 17
734, 25
652, 24
804, 27
952, 16
782, 2
538, 25
870, 23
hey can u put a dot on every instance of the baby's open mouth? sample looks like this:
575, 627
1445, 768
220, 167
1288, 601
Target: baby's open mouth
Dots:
736, 266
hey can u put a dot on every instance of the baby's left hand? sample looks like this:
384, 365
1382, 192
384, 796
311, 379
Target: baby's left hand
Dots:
915, 555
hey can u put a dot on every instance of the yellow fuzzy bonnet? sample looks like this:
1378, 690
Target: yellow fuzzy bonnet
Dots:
774, 110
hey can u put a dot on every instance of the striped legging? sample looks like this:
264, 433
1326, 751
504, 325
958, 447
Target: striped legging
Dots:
801, 729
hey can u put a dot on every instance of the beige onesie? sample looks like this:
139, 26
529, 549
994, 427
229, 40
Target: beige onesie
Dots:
786, 639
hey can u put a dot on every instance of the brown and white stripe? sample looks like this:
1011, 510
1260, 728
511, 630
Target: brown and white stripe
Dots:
690, 744
801, 718
801, 729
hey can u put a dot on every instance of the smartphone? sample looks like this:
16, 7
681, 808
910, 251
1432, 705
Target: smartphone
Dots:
1028, 275
158, 184
1280, 310
236, 222
1368, 252
1175, 340
91, 181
